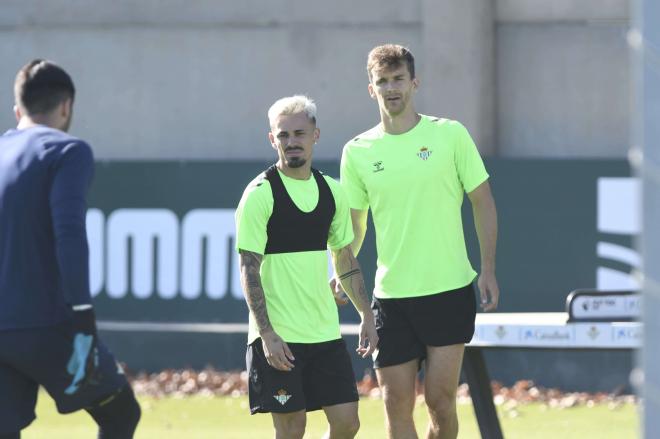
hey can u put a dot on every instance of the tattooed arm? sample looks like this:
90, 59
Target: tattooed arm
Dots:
250, 264
276, 350
349, 275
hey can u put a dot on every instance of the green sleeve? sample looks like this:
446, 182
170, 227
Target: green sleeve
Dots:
469, 165
351, 183
341, 229
252, 215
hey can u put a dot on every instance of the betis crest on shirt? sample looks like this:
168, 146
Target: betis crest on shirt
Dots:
424, 153
281, 396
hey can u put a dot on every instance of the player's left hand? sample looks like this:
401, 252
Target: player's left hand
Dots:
489, 291
368, 341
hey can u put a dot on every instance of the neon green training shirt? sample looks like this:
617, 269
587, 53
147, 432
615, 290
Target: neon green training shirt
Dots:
414, 184
299, 302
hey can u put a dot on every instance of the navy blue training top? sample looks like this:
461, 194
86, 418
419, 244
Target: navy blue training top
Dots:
44, 177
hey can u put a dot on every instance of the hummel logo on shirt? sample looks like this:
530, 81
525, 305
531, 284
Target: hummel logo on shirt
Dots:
378, 166
424, 153
282, 396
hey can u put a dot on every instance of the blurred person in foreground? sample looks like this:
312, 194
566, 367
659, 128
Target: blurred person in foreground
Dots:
412, 171
48, 331
286, 220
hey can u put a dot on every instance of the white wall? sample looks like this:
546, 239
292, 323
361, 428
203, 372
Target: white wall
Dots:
193, 79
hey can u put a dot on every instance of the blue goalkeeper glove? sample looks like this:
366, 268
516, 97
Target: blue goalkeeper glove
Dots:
84, 359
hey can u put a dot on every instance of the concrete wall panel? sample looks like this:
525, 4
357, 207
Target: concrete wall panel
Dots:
562, 90
244, 13
166, 79
203, 93
562, 10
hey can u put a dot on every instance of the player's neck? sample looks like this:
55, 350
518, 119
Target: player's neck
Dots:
29, 122
26, 122
302, 173
400, 123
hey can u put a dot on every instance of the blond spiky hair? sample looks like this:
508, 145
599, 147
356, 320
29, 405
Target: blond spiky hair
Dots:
292, 105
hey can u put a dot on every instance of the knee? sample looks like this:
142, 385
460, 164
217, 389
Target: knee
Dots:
127, 411
133, 413
441, 406
346, 427
398, 403
293, 427
117, 418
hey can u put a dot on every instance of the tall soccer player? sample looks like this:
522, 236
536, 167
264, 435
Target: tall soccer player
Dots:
286, 220
47, 326
412, 171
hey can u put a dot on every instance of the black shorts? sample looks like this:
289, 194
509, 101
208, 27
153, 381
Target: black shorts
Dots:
39, 356
322, 376
407, 326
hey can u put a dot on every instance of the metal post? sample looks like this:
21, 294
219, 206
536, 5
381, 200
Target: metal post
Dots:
476, 374
644, 39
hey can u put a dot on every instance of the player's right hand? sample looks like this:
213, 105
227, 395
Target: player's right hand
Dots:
368, 340
340, 296
489, 290
84, 360
277, 352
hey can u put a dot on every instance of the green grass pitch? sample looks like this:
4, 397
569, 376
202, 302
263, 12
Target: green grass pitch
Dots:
202, 417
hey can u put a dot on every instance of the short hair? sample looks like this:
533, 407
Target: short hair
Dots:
391, 56
292, 105
42, 85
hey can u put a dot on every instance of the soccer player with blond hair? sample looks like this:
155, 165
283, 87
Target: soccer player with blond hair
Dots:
286, 220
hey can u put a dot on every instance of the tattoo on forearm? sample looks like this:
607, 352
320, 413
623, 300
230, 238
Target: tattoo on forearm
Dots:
352, 280
349, 274
250, 264
356, 284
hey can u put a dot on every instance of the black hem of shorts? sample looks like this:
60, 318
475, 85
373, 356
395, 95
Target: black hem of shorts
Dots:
255, 410
451, 342
259, 409
421, 358
331, 403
